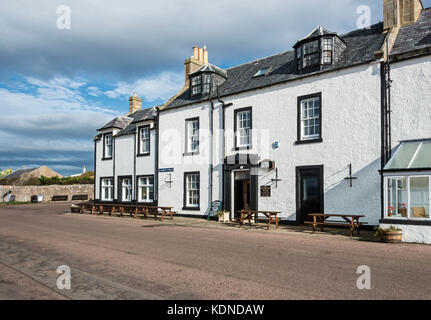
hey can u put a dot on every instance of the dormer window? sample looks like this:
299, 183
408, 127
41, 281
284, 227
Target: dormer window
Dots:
206, 83
327, 50
196, 85
311, 54
318, 50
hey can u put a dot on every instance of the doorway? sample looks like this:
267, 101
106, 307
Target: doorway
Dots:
309, 192
242, 191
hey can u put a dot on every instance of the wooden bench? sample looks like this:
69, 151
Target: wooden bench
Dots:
270, 217
60, 198
80, 197
350, 221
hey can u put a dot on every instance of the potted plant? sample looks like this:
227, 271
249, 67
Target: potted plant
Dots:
223, 216
390, 235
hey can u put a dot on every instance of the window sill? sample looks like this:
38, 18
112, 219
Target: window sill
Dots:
106, 159
143, 154
191, 208
411, 222
299, 142
186, 154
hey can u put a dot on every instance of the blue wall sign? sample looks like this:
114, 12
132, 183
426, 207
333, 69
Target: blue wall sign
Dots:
166, 170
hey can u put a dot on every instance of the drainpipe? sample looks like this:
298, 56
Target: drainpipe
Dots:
211, 156
156, 159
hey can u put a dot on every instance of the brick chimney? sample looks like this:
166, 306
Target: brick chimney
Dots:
398, 13
199, 58
135, 103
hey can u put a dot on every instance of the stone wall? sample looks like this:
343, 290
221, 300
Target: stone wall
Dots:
24, 193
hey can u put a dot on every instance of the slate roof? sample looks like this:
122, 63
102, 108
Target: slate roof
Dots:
415, 36
117, 123
127, 124
211, 68
18, 173
361, 45
138, 116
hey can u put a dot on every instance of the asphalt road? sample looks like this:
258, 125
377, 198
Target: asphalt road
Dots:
122, 258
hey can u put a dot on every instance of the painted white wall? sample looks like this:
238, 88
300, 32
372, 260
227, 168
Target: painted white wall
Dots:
350, 132
124, 160
411, 99
104, 168
172, 151
146, 165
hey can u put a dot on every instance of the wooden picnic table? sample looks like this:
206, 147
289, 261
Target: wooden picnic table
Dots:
248, 215
133, 210
350, 220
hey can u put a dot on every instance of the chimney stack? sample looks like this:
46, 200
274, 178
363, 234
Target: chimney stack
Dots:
398, 13
135, 103
199, 58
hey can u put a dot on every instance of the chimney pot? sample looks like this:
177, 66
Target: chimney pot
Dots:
195, 53
201, 55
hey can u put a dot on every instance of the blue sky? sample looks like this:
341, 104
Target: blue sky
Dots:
57, 87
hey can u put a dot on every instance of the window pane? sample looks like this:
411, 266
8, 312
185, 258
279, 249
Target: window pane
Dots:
397, 198
403, 156
423, 157
419, 197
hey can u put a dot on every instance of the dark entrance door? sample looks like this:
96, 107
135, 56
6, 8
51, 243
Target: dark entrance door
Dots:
309, 192
242, 195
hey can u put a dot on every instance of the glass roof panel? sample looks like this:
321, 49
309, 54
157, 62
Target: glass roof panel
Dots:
261, 72
403, 156
423, 157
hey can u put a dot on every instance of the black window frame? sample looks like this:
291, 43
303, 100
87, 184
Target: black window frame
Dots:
137, 189
186, 150
185, 207
235, 119
299, 119
104, 145
101, 189
120, 189
139, 153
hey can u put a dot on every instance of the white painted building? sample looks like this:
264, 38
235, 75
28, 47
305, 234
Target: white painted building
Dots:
313, 129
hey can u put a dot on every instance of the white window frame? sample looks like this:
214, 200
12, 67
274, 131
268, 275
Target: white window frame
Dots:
317, 135
409, 207
192, 190
327, 46
206, 83
193, 140
243, 131
144, 136
107, 183
108, 145
144, 183
126, 187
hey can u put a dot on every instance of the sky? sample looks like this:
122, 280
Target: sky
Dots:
59, 85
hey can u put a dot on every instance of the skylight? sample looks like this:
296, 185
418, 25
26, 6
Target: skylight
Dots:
261, 72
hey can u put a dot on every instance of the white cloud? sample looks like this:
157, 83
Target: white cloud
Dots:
159, 87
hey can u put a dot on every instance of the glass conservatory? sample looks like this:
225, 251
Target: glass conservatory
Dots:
407, 180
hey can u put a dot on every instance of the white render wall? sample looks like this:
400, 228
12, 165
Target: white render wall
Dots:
171, 155
125, 155
411, 99
350, 132
411, 119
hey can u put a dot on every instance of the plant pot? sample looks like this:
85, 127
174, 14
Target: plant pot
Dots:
392, 236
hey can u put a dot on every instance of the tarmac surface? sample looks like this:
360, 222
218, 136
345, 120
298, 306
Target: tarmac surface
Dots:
123, 258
